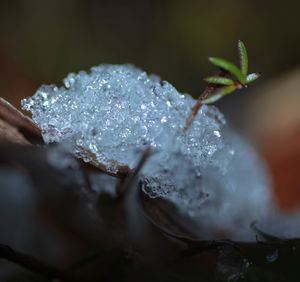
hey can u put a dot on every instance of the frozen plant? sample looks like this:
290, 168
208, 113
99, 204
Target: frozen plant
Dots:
112, 114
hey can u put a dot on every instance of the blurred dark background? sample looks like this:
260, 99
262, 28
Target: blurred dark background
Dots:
42, 41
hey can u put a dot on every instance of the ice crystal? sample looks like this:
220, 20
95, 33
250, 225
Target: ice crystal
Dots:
116, 109
112, 114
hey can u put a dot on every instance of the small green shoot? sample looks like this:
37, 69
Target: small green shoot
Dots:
243, 57
233, 69
219, 80
220, 85
229, 85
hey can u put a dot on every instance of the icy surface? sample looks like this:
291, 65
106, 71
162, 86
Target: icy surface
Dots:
112, 114
116, 109
103, 183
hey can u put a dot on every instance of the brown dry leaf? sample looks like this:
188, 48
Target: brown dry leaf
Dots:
9, 134
283, 159
14, 117
93, 164
274, 121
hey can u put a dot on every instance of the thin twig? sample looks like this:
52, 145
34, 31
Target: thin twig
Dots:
133, 174
34, 265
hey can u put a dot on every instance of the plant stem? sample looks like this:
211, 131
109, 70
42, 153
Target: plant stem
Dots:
198, 106
207, 91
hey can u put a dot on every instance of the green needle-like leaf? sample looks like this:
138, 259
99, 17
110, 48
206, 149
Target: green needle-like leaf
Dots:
219, 80
233, 69
219, 94
212, 99
230, 85
243, 57
252, 76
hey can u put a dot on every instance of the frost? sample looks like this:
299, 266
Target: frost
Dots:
174, 178
112, 114
115, 110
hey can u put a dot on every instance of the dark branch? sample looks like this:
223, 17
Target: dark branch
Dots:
131, 177
34, 265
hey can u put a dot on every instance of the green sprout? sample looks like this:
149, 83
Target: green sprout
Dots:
224, 85
220, 85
